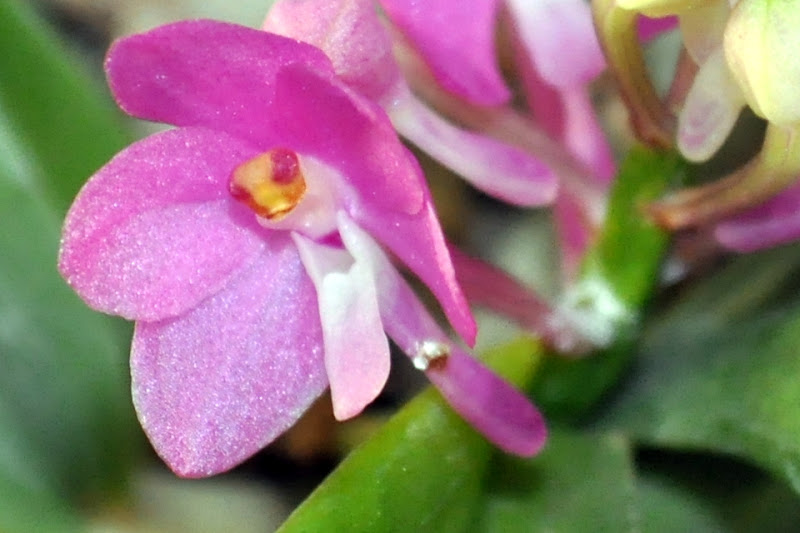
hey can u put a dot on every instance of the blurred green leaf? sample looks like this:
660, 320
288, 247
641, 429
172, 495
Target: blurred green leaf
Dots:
719, 369
701, 492
421, 472
66, 426
619, 275
592, 482
24, 511
579, 483
56, 126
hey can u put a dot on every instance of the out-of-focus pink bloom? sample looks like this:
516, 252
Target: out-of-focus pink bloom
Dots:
244, 245
559, 58
775, 222
458, 44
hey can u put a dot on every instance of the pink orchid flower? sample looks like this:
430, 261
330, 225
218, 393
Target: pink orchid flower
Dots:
244, 243
360, 47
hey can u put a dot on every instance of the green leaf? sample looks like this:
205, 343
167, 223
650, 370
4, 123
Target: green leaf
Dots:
617, 280
579, 483
56, 126
719, 369
421, 472
698, 492
23, 510
589, 482
66, 426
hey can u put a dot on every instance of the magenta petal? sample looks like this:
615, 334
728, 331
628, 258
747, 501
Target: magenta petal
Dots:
151, 234
457, 41
650, 28
350, 33
560, 39
217, 384
356, 348
325, 119
584, 136
771, 224
206, 73
418, 242
498, 169
490, 404
393, 203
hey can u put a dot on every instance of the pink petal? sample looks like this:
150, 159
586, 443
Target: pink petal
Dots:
206, 73
498, 169
351, 35
325, 119
574, 233
153, 232
392, 201
492, 406
356, 349
568, 114
650, 28
419, 243
585, 137
773, 223
560, 40
215, 385
710, 110
457, 41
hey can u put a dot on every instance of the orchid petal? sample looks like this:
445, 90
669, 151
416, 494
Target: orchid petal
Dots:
215, 385
584, 136
457, 42
650, 28
206, 73
332, 123
710, 109
560, 40
356, 349
394, 205
405, 318
419, 243
498, 169
773, 223
350, 34
491, 405
152, 233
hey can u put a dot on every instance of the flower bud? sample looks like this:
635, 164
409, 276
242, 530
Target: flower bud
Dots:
761, 47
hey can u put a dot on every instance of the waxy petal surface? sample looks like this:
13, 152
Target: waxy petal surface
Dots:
456, 40
154, 232
771, 224
216, 385
351, 35
207, 73
356, 348
498, 169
